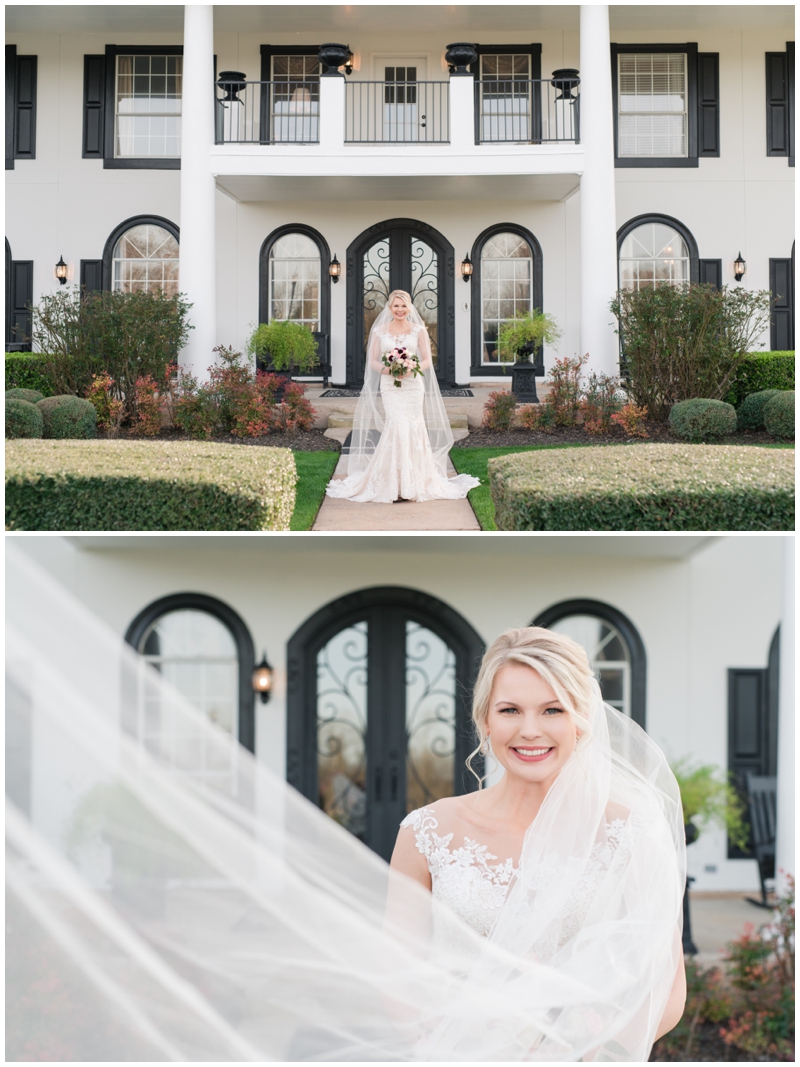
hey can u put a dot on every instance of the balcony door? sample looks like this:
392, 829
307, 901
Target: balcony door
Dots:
401, 254
379, 709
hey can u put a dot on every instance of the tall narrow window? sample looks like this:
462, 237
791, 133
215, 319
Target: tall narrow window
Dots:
148, 106
295, 99
146, 257
652, 104
294, 280
506, 288
505, 97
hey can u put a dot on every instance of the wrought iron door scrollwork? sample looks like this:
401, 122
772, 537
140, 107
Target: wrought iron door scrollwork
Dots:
430, 716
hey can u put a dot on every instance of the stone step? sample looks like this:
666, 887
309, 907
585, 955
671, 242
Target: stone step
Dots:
339, 420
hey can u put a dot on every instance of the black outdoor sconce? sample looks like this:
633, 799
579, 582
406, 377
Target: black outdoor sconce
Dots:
739, 268
61, 270
348, 67
262, 679
335, 269
466, 268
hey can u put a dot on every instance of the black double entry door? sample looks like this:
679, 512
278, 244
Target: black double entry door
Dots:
401, 254
378, 709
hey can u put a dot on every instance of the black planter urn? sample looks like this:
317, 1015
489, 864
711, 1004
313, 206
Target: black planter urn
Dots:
565, 79
333, 56
232, 82
460, 56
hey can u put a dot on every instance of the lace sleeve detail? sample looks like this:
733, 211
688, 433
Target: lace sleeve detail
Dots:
423, 822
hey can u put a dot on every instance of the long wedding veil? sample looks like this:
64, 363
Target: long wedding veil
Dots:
368, 418
171, 899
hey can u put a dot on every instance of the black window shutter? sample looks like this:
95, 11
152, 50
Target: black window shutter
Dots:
777, 105
91, 275
21, 300
781, 285
747, 727
25, 107
790, 80
708, 104
711, 272
94, 100
11, 66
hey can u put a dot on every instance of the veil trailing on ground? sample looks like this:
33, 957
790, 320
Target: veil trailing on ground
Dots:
369, 416
171, 899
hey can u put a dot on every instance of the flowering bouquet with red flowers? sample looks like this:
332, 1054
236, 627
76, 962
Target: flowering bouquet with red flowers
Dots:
400, 361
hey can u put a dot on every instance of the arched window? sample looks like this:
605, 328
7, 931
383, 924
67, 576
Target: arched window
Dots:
612, 643
205, 650
655, 249
142, 254
506, 280
294, 278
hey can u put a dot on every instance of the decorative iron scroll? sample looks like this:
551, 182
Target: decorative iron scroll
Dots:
376, 283
425, 289
430, 717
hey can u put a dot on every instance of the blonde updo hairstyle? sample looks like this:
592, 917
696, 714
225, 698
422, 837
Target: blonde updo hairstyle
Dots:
561, 663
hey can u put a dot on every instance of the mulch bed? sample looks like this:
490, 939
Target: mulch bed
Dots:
302, 441
658, 432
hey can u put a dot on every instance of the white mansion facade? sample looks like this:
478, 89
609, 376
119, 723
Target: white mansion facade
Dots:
563, 151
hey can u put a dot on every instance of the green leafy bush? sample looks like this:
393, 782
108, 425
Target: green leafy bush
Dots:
600, 401
498, 411
33, 396
23, 419
701, 420
779, 415
521, 336
686, 341
68, 416
709, 797
28, 370
564, 396
750, 416
759, 371
287, 345
645, 487
147, 485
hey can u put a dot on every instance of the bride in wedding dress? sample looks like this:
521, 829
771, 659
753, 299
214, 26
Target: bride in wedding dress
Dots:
401, 435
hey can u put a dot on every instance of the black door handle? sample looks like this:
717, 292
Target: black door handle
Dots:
394, 782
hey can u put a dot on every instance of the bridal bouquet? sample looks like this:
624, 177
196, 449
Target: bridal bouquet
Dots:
400, 361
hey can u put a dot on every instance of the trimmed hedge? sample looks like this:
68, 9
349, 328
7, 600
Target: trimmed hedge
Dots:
33, 396
68, 416
23, 419
779, 415
144, 485
645, 487
700, 419
750, 416
26, 370
759, 371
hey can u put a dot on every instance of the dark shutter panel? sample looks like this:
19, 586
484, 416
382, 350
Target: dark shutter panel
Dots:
11, 64
747, 730
707, 104
711, 272
777, 105
94, 99
790, 80
781, 327
25, 117
773, 688
21, 300
91, 275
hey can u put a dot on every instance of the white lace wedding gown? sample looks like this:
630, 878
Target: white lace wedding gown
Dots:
403, 463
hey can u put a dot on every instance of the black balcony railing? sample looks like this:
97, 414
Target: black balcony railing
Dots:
528, 111
277, 112
397, 112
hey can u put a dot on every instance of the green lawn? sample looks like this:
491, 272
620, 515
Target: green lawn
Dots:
314, 470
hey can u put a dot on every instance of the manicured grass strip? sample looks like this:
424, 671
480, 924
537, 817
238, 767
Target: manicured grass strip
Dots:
147, 485
475, 461
645, 487
314, 471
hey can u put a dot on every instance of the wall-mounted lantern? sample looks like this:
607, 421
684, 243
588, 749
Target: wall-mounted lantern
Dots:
348, 67
466, 268
335, 269
739, 268
262, 679
62, 270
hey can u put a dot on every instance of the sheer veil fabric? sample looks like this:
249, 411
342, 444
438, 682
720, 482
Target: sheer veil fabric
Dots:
171, 899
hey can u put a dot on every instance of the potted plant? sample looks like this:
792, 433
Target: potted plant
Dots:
519, 339
284, 347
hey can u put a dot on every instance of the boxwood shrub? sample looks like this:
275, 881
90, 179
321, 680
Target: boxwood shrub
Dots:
759, 371
700, 420
779, 415
147, 485
26, 370
33, 396
23, 419
645, 487
68, 416
750, 415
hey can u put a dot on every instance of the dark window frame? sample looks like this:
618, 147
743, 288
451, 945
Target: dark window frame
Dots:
267, 53
691, 159
122, 228
608, 613
478, 369
239, 632
668, 220
110, 162
17, 312
13, 105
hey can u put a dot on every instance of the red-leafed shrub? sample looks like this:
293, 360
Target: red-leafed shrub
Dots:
631, 417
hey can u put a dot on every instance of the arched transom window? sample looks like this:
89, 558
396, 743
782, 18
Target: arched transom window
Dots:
146, 257
608, 653
652, 253
506, 287
294, 280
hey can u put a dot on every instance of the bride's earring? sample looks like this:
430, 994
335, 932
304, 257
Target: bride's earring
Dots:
485, 746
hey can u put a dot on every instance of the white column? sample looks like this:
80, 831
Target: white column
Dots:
462, 112
331, 113
784, 846
198, 253
598, 206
